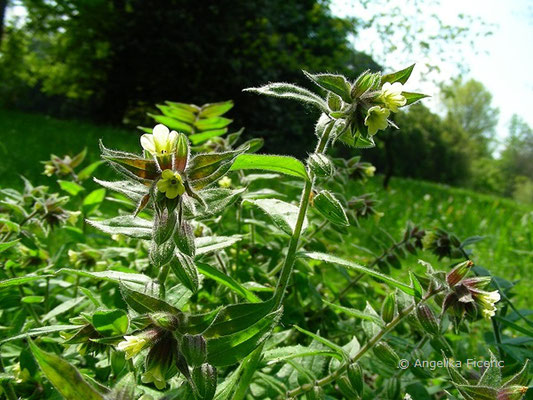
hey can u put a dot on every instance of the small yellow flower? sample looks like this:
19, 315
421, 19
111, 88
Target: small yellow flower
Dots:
369, 171
171, 184
486, 301
161, 143
391, 96
225, 182
132, 345
376, 119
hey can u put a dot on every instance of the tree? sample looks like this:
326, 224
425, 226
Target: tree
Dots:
469, 105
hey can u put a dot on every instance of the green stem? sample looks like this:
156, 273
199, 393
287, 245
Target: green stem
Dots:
286, 270
368, 346
162, 277
249, 367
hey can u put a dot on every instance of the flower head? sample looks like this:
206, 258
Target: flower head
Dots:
171, 184
391, 96
132, 345
161, 143
225, 182
485, 301
376, 119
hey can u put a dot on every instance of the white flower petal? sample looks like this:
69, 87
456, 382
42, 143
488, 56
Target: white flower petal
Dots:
147, 142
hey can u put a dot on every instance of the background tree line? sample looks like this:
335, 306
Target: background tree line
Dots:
111, 61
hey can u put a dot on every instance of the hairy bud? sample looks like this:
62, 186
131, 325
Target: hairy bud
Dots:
193, 348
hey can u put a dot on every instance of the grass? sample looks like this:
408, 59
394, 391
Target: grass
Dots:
27, 139
506, 225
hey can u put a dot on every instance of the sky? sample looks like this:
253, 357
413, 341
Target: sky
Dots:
503, 62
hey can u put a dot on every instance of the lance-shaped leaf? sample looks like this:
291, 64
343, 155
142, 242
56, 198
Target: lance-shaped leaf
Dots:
199, 138
237, 317
283, 214
179, 113
217, 199
352, 312
215, 109
208, 244
230, 349
22, 280
133, 190
334, 83
331, 208
290, 91
284, 164
125, 225
111, 323
478, 392
185, 270
144, 303
413, 97
205, 169
282, 354
399, 76
41, 331
131, 165
359, 268
206, 124
227, 281
64, 376
326, 342
172, 123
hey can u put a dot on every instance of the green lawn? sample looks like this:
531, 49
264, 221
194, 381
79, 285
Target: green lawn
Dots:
27, 139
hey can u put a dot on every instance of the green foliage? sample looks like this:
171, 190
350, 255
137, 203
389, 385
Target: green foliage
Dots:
203, 274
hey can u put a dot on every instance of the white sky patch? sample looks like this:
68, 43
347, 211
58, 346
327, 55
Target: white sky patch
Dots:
503, 62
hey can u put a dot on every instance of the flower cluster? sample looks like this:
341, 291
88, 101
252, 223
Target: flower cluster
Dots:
467, 296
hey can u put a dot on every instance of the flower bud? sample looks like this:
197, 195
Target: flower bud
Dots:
165, 320
181, 155
427, 319
316, 393
512, 393
355, 376
386, 355
388, 308
184, 239
160, 362
366, 82
193, 348
164, 224
346, 388
320, 165
458, 272
204, 378
392, 388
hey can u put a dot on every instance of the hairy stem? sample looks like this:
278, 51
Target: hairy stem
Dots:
288, 264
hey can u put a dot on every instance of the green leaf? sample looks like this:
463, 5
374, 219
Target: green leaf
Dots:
336, 348
230, 349
215, 109
290, 91
22, 280
125, 225
112, 276
217, 199
359, 268
32, 299
284, 164
334, 83
205, 169
144, 303
133, 190
478, 392
413, 97
282, 354
92, 201
399, 76
331, 208
64, 376
356, 313
212, 123
6, 245
417, 287
207, 244
71, 188
41, 331
199, 138
185, 270
111, 323
283, 214
178, 113
227, 281
87, 172
172, 123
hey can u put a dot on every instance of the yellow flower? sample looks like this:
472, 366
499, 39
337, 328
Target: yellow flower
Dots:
161, 143
376, 119
369, 171
225, 182
486, 301
391, 96
132, 345
171, 184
